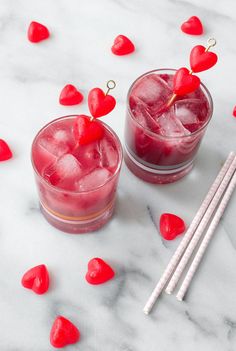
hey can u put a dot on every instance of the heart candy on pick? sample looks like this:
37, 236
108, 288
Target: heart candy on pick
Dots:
36, 279
184, 82
70, 96
201, 60
63, 333
87, 131
37, 32
122, 46
192, 26
99, 103
171, 226
5, 151
98, 272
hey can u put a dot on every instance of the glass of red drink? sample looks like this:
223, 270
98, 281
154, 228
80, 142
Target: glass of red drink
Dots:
76, 184
161, 141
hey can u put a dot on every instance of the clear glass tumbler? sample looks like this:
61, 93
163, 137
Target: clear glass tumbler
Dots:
68, 210
157, 158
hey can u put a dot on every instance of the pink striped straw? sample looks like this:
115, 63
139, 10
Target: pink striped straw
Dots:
200, 230
187, 237
205, 242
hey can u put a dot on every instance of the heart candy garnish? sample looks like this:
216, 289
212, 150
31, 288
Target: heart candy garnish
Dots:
36, 279
99, 103
192, 26
234, 111
201, 60
122, 46
70, 96
184, 82
87, 131
98, 272
37, 32
5, 151
63, 333
171, 226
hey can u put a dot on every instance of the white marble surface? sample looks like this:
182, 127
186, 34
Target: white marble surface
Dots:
110, 316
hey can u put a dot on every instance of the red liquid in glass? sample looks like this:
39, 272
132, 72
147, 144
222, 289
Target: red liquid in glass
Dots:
76, 184
161, 137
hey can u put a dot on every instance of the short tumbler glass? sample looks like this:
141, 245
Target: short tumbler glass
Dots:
76, 211
156, 158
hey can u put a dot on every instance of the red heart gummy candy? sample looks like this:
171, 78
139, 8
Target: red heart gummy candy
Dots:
5, 152
201, 60
37, 32
234, 111
98, 272
70, 96
122, 46
192, 26
36, 279
99, 103
184, 82
171, 226
86, 131
63, 333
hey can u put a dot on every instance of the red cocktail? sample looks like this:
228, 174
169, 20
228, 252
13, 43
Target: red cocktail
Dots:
76, 183
161, 141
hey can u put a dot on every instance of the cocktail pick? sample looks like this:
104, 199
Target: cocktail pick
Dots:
100, 103
200, 59
87, 130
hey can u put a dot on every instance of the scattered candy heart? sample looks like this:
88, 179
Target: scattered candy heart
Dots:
63, 333
201, 60
37, 32
5, 152
184, 82
99, 103
234, 111
98, 272
192, 26
122, 46
70, 96
36, 279
86, 131
171, 226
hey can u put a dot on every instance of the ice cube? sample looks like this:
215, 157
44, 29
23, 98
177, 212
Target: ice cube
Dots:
109, 154
171, 126
88, 155
153, 91
94, 179
64, 173
142, 115
61, 135
188, 112
50, 145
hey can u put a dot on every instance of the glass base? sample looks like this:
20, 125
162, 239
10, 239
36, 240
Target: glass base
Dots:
155, 176
78, 227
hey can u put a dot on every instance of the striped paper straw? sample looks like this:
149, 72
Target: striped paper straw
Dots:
187, 237
205, 242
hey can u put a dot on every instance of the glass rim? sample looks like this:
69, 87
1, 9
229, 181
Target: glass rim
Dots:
55, 188
205, 91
